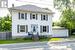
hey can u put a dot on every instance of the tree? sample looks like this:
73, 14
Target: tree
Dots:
64, 4
5, 23
68, 19
67, 13
61, 4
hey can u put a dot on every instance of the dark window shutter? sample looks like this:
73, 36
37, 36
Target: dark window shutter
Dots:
46, 17
25, 16
19, 15
47, 29
17, 28
36, 16
26, 28
40, 29
41, 16
30, 15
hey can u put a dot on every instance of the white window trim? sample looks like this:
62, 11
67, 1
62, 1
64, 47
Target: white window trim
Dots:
25, 29
20, 28
35, 16
21, 14
46, 28
24, 15
45, 17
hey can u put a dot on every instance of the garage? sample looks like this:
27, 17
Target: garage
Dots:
59, 32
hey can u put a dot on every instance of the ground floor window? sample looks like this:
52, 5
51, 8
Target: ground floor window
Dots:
44, 29
22, 28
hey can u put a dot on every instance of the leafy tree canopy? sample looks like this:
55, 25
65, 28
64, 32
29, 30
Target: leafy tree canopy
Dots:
68, 19
5, 23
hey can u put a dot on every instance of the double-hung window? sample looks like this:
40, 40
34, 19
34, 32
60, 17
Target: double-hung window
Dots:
33, 16
22, 15
44, 29
22, 28
44, 17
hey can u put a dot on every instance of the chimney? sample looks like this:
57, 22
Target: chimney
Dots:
12, 5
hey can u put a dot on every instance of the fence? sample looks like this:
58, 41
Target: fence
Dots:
5, 35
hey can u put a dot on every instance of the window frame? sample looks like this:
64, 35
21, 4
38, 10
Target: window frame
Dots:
35, 16
44, 29
22, 15
23, 30
44, 17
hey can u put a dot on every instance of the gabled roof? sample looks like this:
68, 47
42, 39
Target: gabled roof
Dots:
32, 8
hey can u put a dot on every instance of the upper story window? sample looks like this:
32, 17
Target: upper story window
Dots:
44, 17
22, 15
33, 16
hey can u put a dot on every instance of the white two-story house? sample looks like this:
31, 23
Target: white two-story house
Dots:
30, 18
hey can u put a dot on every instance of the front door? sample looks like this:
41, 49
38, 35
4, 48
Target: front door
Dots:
34, 28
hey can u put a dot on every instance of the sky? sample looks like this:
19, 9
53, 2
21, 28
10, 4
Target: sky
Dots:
40, 3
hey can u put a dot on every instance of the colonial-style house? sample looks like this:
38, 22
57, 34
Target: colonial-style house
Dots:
31, 19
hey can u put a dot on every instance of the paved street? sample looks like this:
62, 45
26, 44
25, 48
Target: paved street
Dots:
40, 46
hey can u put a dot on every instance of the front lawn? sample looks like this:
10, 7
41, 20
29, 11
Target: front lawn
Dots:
21, 40
24, 40
55, 39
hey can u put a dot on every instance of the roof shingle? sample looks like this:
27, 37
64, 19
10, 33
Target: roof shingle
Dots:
32, 8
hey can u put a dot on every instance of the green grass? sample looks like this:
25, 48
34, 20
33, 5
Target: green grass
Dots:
21, 40
24, 40
55, 39
13, 41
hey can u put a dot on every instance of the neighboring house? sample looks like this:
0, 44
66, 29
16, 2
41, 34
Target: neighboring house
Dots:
32, 19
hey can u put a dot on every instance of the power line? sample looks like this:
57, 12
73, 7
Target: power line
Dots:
33, 2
